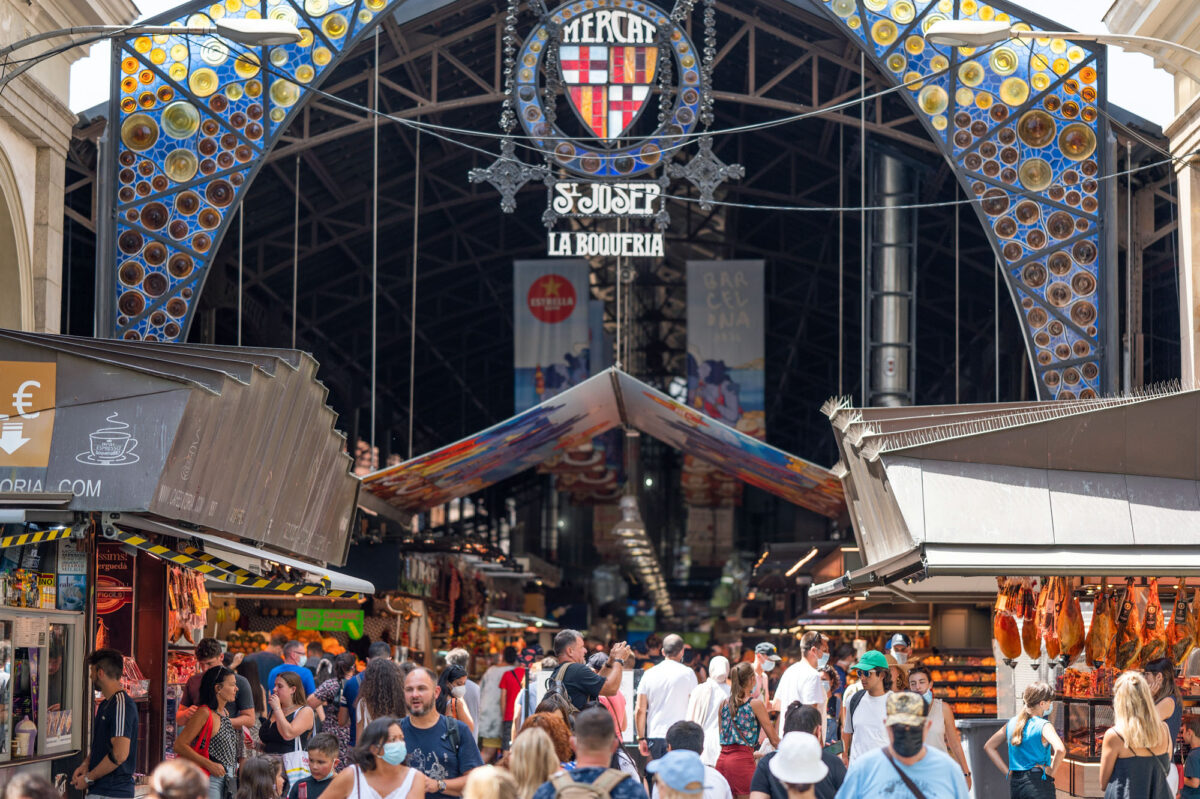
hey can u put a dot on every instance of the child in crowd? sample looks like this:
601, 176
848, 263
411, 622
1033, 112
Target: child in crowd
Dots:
1191, 769
322, 754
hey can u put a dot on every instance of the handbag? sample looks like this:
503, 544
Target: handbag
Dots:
295, 762
908, 783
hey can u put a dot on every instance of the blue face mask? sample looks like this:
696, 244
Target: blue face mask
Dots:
928, 696
394, 752
823, 661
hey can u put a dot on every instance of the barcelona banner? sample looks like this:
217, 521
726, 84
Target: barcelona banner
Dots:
725, 361
550, 329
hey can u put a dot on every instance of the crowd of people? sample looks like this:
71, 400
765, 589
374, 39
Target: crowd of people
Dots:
553, 727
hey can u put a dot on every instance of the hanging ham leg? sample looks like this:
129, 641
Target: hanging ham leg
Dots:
1099, 644
1154, 631
1030, 641
1128, 639
1004, 629
1070, 623
1180, 631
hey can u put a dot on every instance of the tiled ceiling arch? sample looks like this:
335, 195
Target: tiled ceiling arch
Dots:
1023, 125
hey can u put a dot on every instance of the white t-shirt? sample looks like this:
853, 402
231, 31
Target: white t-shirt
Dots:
868, 724
666, 687
715, 785
800, 683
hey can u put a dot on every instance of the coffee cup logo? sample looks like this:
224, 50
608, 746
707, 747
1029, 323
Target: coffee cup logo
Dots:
110, 446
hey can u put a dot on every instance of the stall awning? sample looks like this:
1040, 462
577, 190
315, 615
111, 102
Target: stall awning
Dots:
579, 414
237, 563
1098, 487
237, 440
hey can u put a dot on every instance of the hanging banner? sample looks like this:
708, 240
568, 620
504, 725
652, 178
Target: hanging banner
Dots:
550, 329
725, 377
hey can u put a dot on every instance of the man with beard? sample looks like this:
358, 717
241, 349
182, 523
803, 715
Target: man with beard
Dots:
108, 770
441, 748
906, 767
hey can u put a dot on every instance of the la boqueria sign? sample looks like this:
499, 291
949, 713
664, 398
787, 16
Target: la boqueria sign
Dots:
165, 429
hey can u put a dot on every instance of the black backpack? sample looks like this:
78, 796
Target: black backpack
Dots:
557, 693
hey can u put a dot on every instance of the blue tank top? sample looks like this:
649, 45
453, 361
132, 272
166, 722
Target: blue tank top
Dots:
1033, 751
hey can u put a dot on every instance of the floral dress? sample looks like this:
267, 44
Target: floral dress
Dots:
330, 692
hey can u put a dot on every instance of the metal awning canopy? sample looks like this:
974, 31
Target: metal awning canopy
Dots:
235, 440
1101, 487
579, 414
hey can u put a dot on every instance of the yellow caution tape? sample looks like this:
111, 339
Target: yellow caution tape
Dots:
38, 537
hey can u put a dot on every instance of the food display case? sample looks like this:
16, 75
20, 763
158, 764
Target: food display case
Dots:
41, 671
967, 684
1081, 722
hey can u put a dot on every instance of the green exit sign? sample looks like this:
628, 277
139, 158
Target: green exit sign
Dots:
331, 620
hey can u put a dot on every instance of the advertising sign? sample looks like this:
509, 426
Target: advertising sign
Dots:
550, 329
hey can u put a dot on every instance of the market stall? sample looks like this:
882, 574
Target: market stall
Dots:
1077, 505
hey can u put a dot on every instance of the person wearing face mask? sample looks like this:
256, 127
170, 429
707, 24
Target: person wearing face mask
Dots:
378, 769
766, 658
802, 680
1034, 748
906, 767
865, 715
943, 733
452, 700
900, 647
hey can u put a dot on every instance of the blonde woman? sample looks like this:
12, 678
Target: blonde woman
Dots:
1135, 755
489, 782
1034, 748
742, 720
532, 760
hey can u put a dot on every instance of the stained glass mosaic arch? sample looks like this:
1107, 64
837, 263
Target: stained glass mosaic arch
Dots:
1023, 125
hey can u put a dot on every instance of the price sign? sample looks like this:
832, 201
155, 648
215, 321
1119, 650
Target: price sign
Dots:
331, 620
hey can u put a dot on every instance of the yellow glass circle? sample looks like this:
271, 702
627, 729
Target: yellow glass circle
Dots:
233, 6
128, 104
1077, 141
915, 44
216, 11
971, 74
968, 7
214, 52
335, 26
246, 65
983, 100
177, 71
139, 132
198, 21
181, 165
1035, 174
1075, 54
146, 76
304, 73
1058, 46
142, 44
946, 6
913, 81
147, 99
364, 15
1004, 61
252, 13
278, 56
939, 63
277, 115
933, 100
884, 32
284, 13
253, 88
316, 8
129, 84
234, 91
1040, 81
375, 5
1061, 66
1014, 91
160, 38
939, 122
896, 63
321, 56
180, 120
964, 96
986, 13
1038, 61
179, 52
875, 5
129, 65
1022, 27
306, 37
928, 21
284, 93
158, 56
203, 82
903, 12
854, 23
843, 8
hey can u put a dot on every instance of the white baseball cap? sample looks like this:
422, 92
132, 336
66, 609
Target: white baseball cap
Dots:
798, 760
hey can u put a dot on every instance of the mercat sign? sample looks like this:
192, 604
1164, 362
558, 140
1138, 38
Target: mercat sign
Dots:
349, 621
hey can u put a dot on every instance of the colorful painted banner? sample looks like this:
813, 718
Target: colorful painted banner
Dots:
725, 377
582, 413
550, 329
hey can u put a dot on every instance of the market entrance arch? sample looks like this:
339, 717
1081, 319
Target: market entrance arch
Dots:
1023, 130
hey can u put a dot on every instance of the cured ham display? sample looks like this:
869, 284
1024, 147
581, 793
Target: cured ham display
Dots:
1004, 629
1030, 641
1070, 621
1098, 648
1153, 635
1048, 611
1128, 635
1181, 632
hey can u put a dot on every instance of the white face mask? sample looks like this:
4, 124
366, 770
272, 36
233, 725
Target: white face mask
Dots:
901, 657
458, 691
769, 665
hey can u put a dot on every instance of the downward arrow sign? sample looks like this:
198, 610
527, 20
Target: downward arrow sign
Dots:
12, 440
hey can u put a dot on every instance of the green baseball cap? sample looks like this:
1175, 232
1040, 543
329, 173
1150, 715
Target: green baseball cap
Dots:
872, 659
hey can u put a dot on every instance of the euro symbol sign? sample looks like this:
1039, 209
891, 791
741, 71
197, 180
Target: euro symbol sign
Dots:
23, 398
